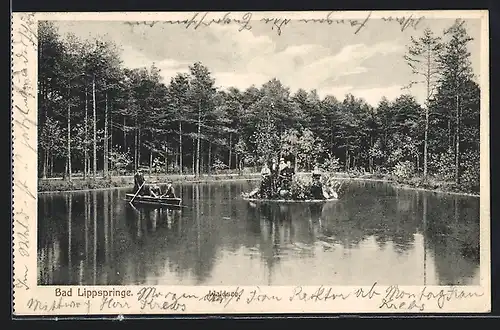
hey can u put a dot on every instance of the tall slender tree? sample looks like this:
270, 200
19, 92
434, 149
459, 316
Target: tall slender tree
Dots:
457, 71
178, 109
202, 90
423, 58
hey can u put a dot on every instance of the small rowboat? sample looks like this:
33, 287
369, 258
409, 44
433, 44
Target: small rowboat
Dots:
158, 201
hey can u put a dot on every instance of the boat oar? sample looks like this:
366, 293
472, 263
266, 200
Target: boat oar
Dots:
137, 192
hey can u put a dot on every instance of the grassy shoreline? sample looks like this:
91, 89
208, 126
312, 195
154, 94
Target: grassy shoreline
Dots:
127, 181
79, 184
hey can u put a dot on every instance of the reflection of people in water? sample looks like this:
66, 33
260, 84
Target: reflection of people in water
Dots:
315, 219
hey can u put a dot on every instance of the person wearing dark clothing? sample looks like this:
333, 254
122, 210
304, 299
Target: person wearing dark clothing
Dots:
138, 181
317, 186
286, 177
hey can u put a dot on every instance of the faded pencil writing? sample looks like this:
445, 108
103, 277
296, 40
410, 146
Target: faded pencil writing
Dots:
153, 299
22, 282
320, 294
244, 21
57, 304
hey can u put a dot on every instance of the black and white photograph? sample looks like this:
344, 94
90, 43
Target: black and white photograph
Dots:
226, 150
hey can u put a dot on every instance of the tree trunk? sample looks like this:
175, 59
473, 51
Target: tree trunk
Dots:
346, 158
370, 159
457, 142
426, 133
180, 148
237, 161
193, 157
198, 144
51, 165
69, 142
449, 132
106, 146
166, 159
230, 149
86, 139
65, 173
209, 158
94, 169
426, 130
124, 136
45, 163
150, 161
136, 143
202, 160
176, 161
139, 146
331, 138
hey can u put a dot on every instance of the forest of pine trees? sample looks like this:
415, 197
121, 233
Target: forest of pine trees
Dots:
98, 118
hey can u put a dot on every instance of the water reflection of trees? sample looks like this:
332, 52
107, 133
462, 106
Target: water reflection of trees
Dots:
453, 238
370, 209
189, 243
80, 230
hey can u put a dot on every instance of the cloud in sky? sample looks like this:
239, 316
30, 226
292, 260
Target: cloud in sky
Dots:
368, 65
370, 95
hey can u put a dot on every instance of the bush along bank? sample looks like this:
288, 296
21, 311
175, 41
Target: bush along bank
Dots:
435, 184
432, 183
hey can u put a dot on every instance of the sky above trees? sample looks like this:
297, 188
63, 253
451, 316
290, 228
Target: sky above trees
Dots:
331, 59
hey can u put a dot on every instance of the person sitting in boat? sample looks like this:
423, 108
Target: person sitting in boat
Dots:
139, 181
169, 191
153, 190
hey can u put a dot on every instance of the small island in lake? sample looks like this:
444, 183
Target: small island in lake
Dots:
279, 182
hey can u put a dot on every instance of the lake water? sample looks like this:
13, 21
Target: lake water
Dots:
375, 232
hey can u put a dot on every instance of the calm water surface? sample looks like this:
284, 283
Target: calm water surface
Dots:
374, 233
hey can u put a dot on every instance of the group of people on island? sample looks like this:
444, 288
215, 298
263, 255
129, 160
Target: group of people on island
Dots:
276, 181
152, 189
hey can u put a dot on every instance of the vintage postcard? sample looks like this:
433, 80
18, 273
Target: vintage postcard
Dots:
250, 162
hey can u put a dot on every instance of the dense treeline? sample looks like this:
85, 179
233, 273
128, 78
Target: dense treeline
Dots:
97, 117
